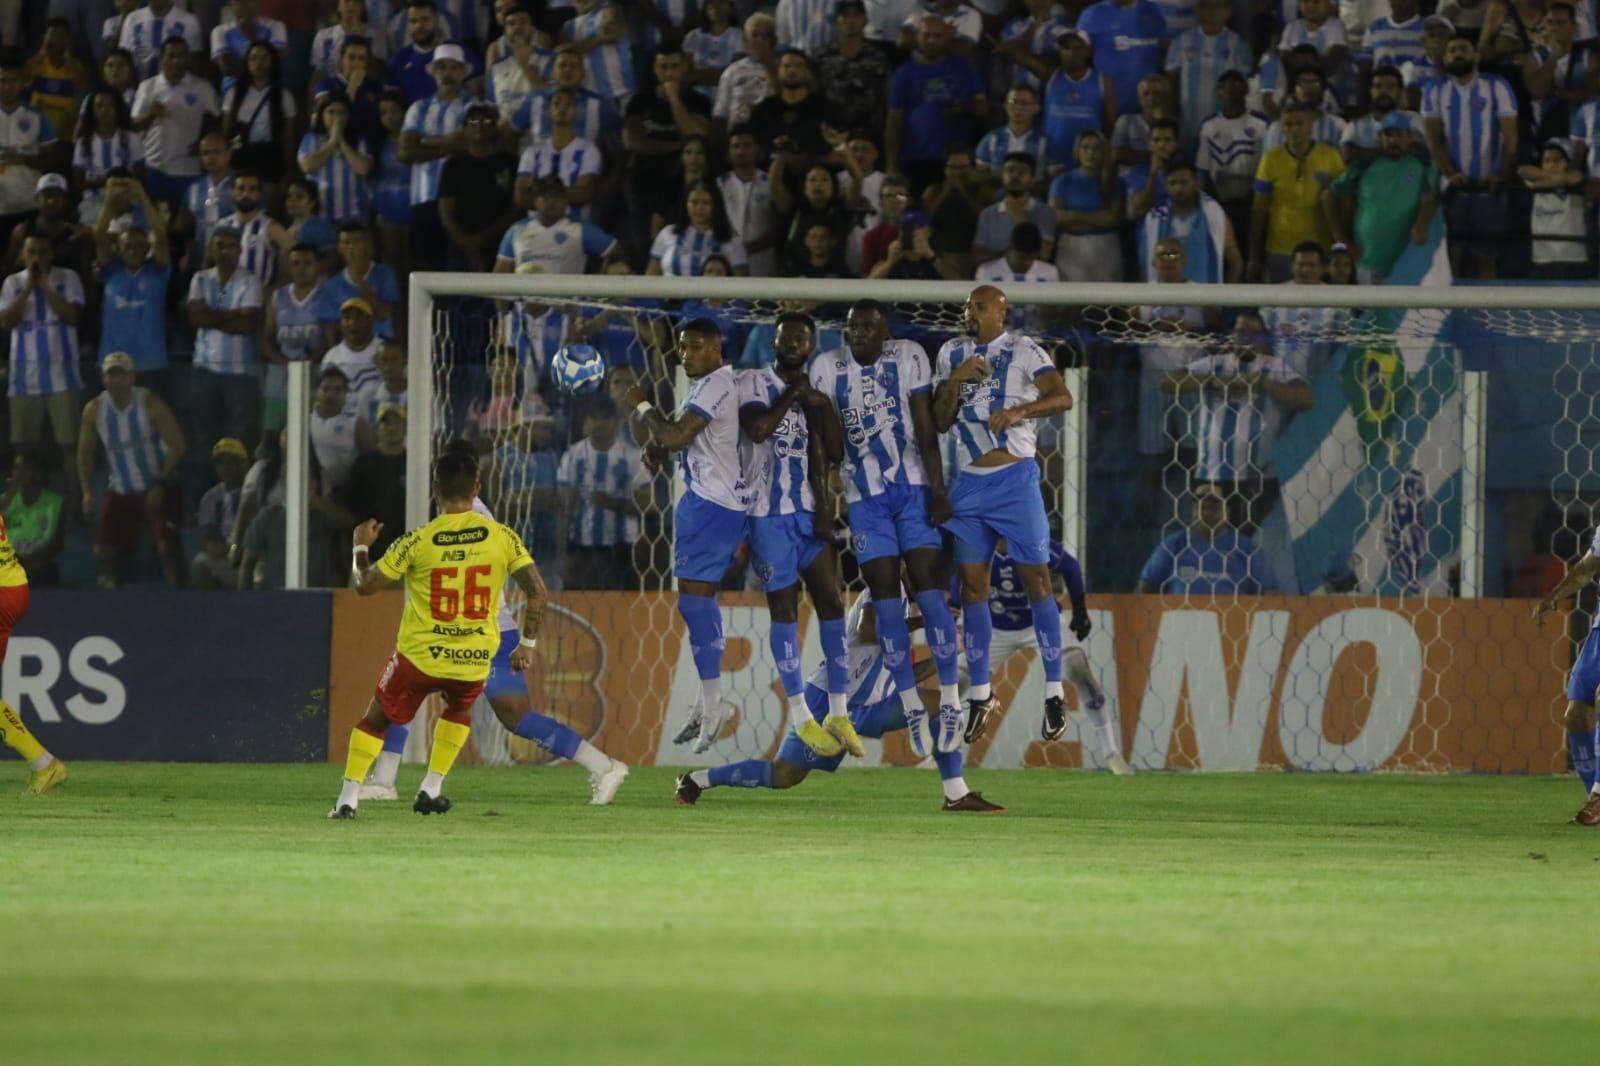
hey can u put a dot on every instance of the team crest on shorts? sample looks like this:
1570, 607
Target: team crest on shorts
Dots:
858, 542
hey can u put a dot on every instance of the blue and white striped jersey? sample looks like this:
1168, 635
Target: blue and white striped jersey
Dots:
1196, 61
870, 682
1328, 129
709, 51
345, 194
144, 32
683, 251
257, 253
1393, 44
134, 450
1229, 153
301, 323
618, 471
609, 67
1362, 132
580, 158
230, 40
597, 116
329, 40
874, 406
433, 117
1040, 37
805, 24
710, 463
94, 156
1015, 363
1324, 37
1471, 115
44, 349
507, 86
214, 350
997, 144
1236, 437
777, 470
209, 202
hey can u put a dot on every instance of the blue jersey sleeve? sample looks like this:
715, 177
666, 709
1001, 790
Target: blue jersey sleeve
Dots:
596, 241
1157, 568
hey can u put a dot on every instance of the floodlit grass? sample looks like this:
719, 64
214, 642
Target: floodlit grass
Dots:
211, 914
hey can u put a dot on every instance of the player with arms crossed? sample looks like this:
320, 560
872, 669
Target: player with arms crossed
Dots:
709, 521
791, 522
1011, 618
507, 693
877, 710
878, 422
453, 569
45, 771
1582, 683
992, 387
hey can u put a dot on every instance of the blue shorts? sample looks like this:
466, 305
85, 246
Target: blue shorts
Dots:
707, 538
892, 523
1584, 679
781, 546
505, 679
873, 720
1005, 504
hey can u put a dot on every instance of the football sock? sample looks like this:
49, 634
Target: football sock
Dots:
837, 663
1047, 630
548, 733
785, 640
895, 639
364, 748
448, 740
701, 778
1105, 731
752, 773
942, 641
1581, 750
395, 739
591, 758
949, 764
385, 770
799, 713
979, 629
703, 618
20, 740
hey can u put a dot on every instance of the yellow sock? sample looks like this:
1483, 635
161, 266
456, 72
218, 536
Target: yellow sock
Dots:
364, 748
17, 737
448, 740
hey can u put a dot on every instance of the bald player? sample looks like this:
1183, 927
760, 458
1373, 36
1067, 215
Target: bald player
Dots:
993, 386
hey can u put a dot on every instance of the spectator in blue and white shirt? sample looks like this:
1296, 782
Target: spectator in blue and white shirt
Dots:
335, 157
434, 130
604, 488
224, 308
1017, 205
1210, 558
522, 67
1017, 135
805, 24
364, 278
170, 109
146, 29
716, 42
600, 32
575, 160
551, 241
1129, 39
135, 268
26, 139
41, 305
1245, 393
1387, 92
261, 237
701, 230
1395, 39
597, 120
1471, 122
1199, 56
230, 42
104, 141
351, 21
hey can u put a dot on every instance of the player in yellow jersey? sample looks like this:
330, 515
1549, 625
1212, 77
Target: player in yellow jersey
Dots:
453, 570
45, 770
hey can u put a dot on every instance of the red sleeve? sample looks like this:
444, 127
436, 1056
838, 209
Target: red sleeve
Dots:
875, 245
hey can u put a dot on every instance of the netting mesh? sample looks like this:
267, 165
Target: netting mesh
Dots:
1271, 507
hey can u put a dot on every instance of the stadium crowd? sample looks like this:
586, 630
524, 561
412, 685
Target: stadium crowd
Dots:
192, 195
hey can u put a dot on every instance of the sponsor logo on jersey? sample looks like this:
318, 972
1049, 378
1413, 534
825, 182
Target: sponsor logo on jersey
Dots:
457, 631
460, 655
447, 537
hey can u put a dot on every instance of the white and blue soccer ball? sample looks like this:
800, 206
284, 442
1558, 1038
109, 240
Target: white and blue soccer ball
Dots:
578, 369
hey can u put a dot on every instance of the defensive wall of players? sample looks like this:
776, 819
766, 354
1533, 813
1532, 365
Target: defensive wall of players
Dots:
1313, 683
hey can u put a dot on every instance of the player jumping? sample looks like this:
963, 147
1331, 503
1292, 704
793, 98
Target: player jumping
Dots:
1011, 617
709, 521
45, 771
790, 530
993, 386
876, 709
1582, 683
879, 423
507, 692
453, 569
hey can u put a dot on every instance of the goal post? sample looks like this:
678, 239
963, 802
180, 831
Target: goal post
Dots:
1417, 448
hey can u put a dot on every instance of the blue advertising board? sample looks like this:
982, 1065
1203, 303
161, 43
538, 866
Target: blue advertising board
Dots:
174, 676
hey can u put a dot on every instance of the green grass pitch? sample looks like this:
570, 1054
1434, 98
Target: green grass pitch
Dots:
178, 914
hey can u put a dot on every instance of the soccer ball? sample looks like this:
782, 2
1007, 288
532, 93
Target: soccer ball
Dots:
578, 369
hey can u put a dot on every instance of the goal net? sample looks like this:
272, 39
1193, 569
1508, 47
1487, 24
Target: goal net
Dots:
1305, 514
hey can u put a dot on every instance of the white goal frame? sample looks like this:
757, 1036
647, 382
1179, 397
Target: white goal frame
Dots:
426, 287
